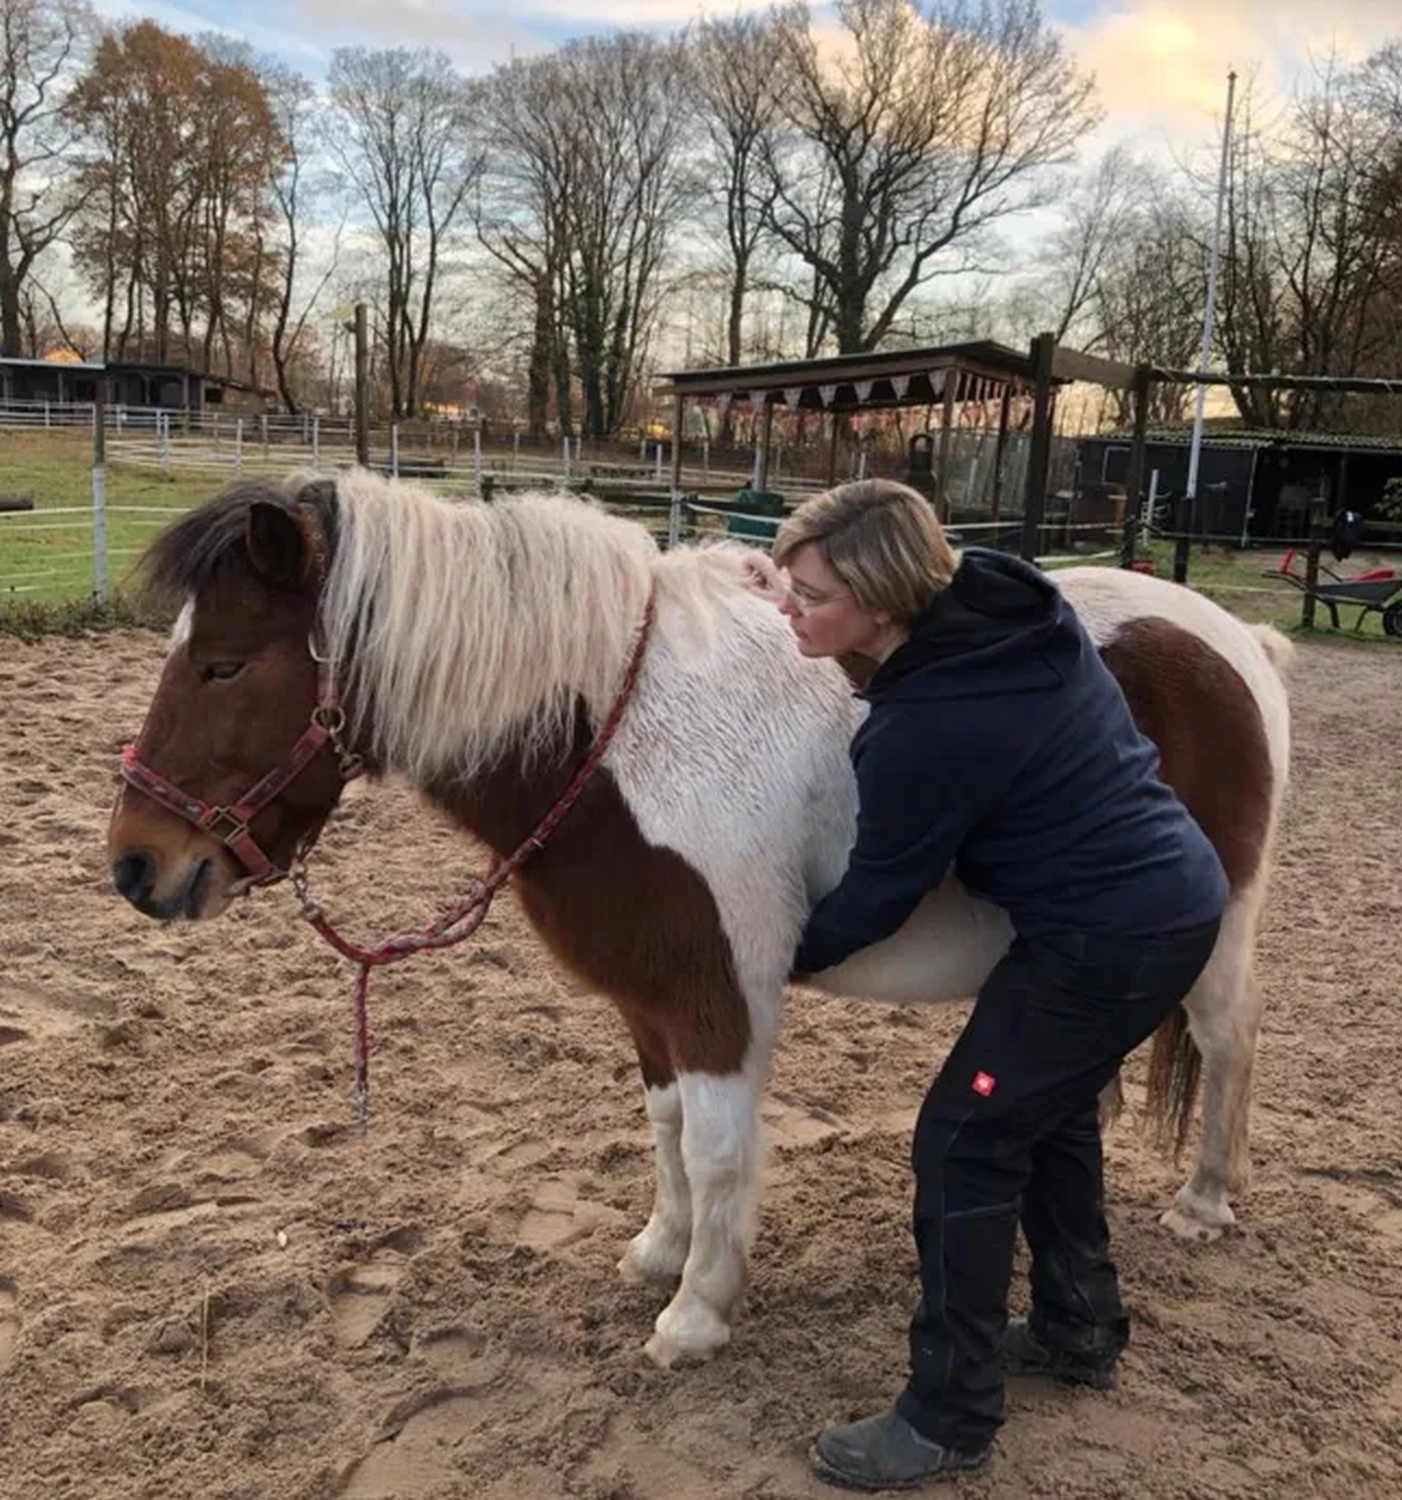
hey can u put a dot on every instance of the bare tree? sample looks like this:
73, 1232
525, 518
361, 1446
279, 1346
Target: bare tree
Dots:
627, 105
399, 127
520, 218
909, 140
1309, 258
1099, 216
40, 42
731, 70
584, 184
295, 105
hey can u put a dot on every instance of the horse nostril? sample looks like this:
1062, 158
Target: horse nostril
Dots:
134, 875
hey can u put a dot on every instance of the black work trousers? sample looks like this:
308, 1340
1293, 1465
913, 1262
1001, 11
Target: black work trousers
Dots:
1009, 1131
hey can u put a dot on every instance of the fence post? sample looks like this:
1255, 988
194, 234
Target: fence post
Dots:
674, 507
477, 456
47, 422
99, 495
394, 450
566, 441
316, 442
164, 420
263, 424
238, 445
1134, 481
1316, 546
515, 448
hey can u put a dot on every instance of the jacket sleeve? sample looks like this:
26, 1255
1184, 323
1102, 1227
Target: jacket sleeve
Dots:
922, 783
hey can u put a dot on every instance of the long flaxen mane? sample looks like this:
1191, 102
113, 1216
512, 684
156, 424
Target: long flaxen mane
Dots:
469, 629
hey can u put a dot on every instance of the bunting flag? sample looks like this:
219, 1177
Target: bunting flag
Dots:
793, 394
936, 379
723, 402
757, 401
826, 394
900, 384
863, 389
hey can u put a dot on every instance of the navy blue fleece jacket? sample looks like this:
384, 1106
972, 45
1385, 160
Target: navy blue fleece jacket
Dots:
1000, 743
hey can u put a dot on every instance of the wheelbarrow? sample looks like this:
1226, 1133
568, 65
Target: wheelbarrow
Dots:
1376, 592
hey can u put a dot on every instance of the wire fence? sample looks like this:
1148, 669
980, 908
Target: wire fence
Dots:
79, 538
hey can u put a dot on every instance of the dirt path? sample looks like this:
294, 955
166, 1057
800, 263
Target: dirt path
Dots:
209, 1287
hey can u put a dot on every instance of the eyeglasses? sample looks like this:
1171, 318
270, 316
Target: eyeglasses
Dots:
806, 600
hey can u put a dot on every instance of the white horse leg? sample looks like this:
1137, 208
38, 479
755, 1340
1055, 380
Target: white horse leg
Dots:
1224, 1016
719, 1147
659, 1251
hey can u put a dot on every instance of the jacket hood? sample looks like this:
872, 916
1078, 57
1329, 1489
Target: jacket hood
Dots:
1000, 621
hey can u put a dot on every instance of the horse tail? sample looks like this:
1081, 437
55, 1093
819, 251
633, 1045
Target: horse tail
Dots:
1175, 1071
1279, 648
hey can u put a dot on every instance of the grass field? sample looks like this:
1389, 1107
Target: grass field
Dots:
46, 556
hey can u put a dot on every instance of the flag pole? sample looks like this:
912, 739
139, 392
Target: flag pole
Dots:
1210, 310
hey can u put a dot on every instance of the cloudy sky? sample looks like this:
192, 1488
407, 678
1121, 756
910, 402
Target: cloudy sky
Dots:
1161, 64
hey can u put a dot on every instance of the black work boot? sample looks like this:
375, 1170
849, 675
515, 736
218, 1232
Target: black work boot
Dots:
886, 1453
1021, 1352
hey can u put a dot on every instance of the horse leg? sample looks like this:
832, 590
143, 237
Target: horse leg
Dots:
720, 1153
658, 1252
1224, 1016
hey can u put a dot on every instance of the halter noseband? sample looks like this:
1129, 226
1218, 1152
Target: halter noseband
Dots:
229, 825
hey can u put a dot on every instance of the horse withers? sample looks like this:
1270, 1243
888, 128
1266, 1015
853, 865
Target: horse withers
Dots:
475, 650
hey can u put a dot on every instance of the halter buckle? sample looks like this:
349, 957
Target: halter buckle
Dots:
225, 826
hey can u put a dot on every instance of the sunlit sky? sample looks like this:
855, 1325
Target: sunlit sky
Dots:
1161, 65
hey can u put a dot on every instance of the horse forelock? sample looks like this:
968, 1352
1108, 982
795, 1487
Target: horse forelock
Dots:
209, 542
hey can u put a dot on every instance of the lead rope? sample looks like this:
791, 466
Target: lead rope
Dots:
460, 922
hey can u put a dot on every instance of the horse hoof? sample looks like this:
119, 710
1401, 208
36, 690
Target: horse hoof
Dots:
1194, 1229
689, 1336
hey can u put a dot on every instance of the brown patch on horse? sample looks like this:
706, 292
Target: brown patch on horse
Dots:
1199, 711
595, 892
1214, 753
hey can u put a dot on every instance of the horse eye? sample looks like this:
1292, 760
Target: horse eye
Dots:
221, 671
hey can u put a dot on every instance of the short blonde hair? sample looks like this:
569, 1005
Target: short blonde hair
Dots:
881, 538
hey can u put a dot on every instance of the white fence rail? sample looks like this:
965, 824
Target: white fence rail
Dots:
63, 550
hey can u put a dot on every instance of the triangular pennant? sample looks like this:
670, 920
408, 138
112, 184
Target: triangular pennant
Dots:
723, 402
900, 384
757, 400
863, 389
936, 379
827, 393
793, 394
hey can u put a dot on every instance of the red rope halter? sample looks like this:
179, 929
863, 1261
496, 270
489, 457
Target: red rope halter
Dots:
467, 916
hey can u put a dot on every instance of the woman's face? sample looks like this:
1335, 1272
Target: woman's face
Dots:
825, 617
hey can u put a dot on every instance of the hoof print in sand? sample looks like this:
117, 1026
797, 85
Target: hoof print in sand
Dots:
415, 1451
360, 1295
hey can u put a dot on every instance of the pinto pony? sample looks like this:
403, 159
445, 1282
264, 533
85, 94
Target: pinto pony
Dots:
476, 649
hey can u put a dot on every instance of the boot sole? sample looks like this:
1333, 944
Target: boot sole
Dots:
843, 1480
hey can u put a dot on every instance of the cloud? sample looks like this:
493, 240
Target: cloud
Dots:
1161, 65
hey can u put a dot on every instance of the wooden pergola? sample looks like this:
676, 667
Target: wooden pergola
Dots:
942, 376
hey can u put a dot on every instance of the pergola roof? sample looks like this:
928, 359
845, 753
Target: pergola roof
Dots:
884, 378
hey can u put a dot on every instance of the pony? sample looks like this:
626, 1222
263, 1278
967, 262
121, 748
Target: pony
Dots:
475, 649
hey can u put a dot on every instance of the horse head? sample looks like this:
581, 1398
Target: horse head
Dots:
241, 758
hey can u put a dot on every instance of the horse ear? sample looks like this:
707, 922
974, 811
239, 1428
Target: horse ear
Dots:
277, 547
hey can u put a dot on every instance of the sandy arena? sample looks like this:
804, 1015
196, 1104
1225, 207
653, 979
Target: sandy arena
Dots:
211, 1287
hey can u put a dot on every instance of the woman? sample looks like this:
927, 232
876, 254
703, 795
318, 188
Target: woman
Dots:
998, 744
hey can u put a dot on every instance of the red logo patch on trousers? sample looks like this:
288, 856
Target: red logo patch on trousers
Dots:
984, 1083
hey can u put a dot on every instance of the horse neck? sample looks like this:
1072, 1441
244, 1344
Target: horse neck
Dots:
504, 803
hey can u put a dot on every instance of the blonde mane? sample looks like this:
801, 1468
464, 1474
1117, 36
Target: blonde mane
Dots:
471, 630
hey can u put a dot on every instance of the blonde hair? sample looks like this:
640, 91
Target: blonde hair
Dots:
881, 538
